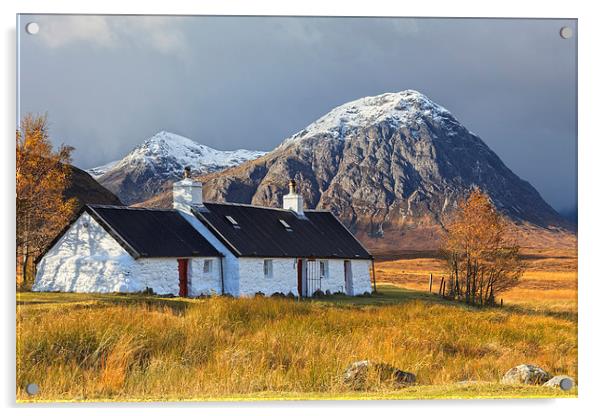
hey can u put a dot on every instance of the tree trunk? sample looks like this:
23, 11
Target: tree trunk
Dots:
25, 260
467, 290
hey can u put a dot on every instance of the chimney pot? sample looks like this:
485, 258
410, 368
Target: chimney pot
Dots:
292, 187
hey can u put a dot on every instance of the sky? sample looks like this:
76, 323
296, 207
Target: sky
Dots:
107, 83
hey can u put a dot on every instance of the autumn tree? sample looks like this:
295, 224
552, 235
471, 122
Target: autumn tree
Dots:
41, 177
481, 259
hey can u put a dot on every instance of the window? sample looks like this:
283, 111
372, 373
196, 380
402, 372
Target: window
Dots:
207, 266
323, 269
232, 221
286, 225
268, 268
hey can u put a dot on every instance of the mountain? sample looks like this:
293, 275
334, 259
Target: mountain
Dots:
86, 190
392, 168
153, 165
98, 171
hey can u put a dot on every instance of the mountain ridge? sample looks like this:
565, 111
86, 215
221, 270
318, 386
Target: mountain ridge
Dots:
159, 160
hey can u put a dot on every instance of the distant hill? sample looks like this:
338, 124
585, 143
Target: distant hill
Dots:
86, 190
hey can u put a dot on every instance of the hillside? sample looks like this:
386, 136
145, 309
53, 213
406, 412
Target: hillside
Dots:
84, 188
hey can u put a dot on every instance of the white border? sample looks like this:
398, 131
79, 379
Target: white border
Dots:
590, 151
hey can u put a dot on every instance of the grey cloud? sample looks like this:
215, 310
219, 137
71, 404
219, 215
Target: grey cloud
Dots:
249, 82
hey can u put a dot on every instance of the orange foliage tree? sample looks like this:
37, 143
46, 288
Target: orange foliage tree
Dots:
482, 261
41, 177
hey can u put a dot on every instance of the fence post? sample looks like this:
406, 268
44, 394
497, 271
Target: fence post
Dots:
440, 286
444, 287
373, 276
431, 283
501, 303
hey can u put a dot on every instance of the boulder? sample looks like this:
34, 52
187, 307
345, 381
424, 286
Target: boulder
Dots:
526, 374
356, 375
560, 382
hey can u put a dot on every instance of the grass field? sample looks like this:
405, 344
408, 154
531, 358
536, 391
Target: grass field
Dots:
136, 347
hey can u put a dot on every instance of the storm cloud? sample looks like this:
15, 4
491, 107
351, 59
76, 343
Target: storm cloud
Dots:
109, 82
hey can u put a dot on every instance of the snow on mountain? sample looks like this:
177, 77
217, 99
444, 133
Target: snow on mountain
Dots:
405, 108
161, 159
98, 171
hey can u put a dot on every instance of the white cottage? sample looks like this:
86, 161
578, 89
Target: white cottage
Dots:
201, 248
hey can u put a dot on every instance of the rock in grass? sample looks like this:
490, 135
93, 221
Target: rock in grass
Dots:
560, 382
526, 374
356, 375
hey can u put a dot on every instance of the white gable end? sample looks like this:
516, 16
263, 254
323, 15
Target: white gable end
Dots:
85, 259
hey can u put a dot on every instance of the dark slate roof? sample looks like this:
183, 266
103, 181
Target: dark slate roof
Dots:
258, 232
145, 232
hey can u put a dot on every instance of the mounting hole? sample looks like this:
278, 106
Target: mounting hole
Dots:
32, 28
32, 389
566, 32
566, 384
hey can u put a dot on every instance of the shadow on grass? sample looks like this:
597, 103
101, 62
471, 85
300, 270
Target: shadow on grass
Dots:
78, 300
394, 295
386, 295
564, 315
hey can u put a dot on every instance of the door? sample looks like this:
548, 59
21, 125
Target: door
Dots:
313, 282
348, 278
300, 277
183, 273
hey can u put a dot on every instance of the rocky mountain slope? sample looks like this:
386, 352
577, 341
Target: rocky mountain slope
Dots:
150, 167
391, 167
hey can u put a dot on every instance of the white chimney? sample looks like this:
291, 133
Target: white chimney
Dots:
293, 200
187, 192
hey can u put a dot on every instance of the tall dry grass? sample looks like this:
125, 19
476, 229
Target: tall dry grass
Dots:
222, 346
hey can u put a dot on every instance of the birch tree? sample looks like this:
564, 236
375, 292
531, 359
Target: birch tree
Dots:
482, 261
41, 177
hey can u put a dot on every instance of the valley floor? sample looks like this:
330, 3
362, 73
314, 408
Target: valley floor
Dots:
144, 348
549, 284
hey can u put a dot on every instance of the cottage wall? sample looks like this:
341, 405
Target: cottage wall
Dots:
334, 282
86, 259
162, 276
335, 277
284, 276
282, 280
204, 283
361, 276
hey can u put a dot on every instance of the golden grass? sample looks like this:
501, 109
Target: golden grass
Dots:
135, 347
549, 276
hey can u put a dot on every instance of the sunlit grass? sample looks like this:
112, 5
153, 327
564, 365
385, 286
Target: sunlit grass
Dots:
135, 347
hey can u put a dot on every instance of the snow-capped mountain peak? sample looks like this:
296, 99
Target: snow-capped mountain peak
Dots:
185, 152
407, 107
161, 159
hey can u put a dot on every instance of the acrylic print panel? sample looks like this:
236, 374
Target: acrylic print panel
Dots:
243, 208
